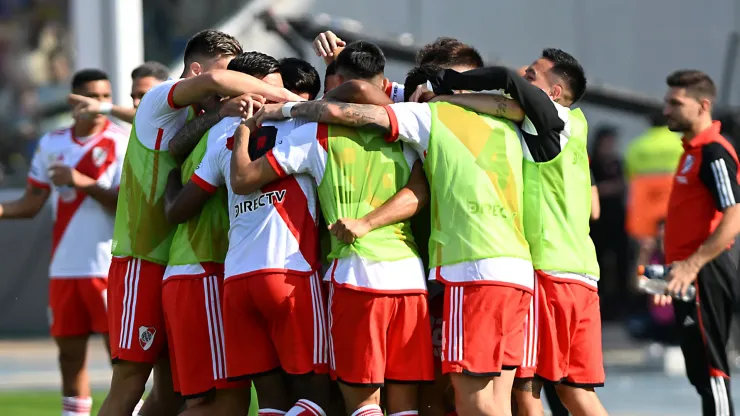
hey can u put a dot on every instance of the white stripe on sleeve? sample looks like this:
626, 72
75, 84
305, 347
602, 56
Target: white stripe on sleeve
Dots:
722, 181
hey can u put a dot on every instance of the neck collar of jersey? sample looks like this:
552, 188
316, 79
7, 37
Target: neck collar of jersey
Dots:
704, 137
82, 140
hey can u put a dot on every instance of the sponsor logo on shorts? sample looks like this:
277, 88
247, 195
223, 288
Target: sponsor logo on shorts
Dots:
268, 198
146, 336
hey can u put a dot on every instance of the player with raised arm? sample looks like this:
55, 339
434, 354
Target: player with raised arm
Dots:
272, 301
482, 258
378, 311
193, 282
144, 77
142, 235
555, 165
80, 167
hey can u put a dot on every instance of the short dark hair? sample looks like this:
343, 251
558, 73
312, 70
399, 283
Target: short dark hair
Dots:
256, 64
151, 69
84, 76
362, 59
569, 69
331, 69
418, 75
448, 52
697, 84
211, 43
299, 76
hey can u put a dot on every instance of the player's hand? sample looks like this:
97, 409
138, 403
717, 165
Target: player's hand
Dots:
241, 105
422, 94
662, 300
63, 175
347, 230
269, 112
84, 107
328, 45
682, 275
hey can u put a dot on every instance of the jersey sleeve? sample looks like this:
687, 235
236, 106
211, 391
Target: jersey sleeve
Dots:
300, 151
157, 104
410, 155
411, 123
37, 174
718, 172
209, 173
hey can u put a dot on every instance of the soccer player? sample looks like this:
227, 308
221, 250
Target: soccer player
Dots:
557, 203
80, 167
272, 302
378, 311
142, 235
144, 78
331, 80
449, 53
193, 282
300, 77
481, 257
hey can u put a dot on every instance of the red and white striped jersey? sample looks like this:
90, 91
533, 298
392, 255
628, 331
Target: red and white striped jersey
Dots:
274, 230
83, 229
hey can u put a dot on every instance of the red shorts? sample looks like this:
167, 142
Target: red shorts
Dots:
531, 336
135, 314
195, 335
78, 306
378, 338
275, 321
483, 331
570, 333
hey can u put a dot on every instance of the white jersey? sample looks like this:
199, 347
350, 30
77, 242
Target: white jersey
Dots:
158, 119
414, 125
394, 91
273, 230
305, 151
83, 229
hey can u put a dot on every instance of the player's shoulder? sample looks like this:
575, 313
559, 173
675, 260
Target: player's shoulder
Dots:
720, 149
222, 130
55, 138
116, 132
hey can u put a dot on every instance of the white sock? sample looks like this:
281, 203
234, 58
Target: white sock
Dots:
270, 412
406, 413
306, 407
369, 410
76, 406
137, 408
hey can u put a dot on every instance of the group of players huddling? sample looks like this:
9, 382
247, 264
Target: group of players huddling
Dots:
263, 237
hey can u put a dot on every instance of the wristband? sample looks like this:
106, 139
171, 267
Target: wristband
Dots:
106, 108
286, 109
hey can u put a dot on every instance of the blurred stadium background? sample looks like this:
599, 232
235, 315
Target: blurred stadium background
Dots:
627, 48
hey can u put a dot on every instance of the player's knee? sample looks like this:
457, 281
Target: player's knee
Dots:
402, 397
272, 392
130, 376
314, 387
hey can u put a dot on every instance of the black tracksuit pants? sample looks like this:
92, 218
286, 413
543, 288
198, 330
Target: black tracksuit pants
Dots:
704, 330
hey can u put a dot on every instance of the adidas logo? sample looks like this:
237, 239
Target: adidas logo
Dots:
688, 321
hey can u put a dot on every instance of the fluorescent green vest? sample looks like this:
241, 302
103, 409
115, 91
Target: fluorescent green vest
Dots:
205, 237
557, 207
363, 172
474, 169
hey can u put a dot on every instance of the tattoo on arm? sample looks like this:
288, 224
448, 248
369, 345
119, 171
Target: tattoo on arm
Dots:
188, 137
351, 115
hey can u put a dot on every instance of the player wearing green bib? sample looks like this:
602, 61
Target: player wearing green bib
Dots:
378, 310
565, 319
477, 245
142, 235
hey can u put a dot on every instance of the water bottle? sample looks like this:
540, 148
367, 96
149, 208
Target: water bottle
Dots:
655, 284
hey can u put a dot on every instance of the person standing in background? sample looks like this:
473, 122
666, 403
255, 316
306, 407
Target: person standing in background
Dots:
650, 162
608, 232
701, 232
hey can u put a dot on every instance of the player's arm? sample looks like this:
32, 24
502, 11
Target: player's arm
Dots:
190, 134
406, 203
359, 92
537, 106
62, 175
28, 205
491, 104
90, 107
184, 202
225, 83
718, 172
595, 203
352, 115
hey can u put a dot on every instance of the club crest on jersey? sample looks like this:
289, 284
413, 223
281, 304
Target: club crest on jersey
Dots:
687, 164
146, 336
99, 155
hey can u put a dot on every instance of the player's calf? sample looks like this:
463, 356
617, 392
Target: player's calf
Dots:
581, 401
126, 388
526, 397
